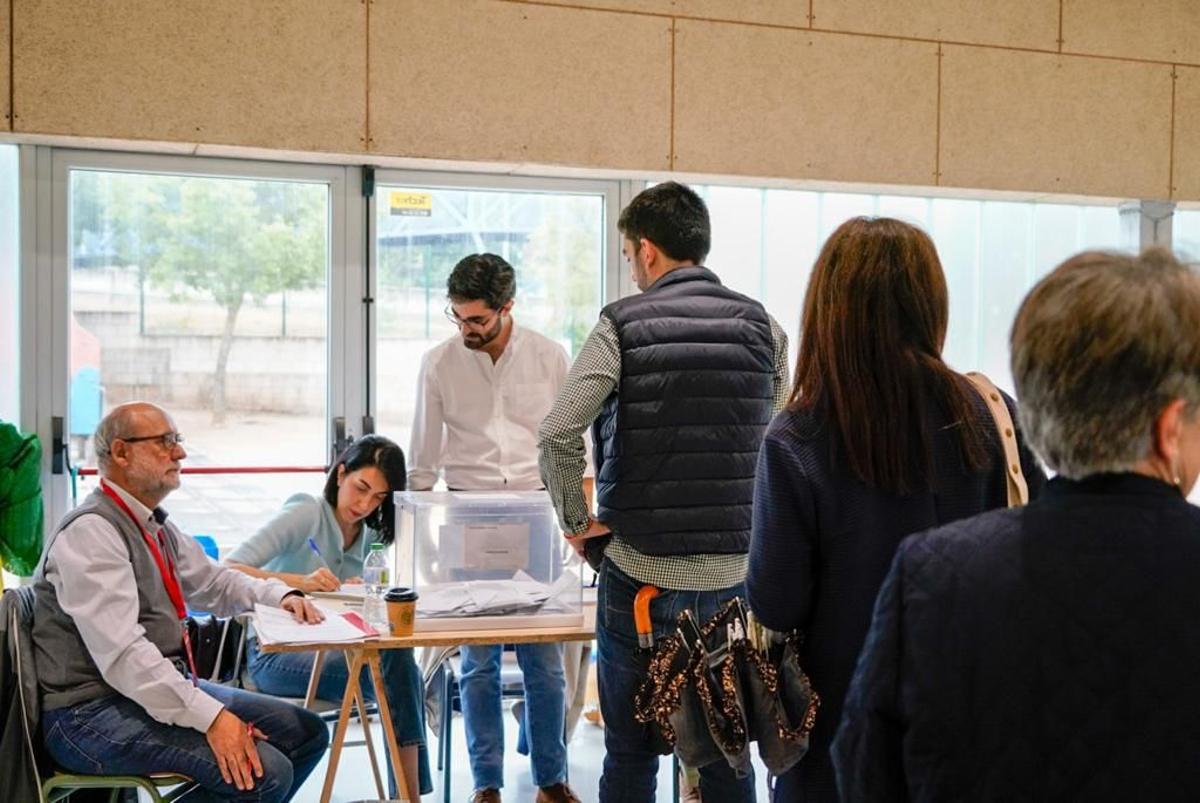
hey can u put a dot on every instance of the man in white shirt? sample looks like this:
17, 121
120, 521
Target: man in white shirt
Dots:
119, 689
480, 398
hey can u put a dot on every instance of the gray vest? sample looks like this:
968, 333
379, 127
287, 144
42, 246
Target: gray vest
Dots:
67, 674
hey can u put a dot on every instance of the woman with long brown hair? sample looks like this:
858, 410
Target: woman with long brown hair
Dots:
880, 439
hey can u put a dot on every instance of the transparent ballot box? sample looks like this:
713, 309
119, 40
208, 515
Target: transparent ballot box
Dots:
486, 560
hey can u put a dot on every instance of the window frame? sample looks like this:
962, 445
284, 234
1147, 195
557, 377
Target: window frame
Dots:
46, 269
611, 283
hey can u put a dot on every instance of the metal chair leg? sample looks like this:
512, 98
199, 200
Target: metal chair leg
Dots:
442, 721
447, 715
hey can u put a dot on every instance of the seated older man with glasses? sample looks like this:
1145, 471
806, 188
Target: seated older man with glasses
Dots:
120, 694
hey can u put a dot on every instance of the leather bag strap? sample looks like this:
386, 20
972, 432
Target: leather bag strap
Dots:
1018, 491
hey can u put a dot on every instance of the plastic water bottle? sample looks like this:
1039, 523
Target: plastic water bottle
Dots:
375, 577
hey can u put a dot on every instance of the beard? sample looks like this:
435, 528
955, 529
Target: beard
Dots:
153, 482
477, 340
638, 272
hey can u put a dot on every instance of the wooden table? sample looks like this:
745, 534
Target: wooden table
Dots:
366, 653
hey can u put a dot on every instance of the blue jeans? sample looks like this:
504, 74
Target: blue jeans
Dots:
115, 736
545, 710
631, 760
286, 674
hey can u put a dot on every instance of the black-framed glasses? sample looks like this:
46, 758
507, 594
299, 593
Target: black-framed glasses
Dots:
167, 440
476, 322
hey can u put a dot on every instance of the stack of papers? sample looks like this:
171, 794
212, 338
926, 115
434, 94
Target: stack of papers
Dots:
520, 595
349, 592
278, 626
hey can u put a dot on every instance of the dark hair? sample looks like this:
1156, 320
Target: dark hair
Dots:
673, 217
378, 452
871, 338
482, 277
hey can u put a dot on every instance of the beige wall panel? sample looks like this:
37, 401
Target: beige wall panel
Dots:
792, 13
1032, 121
277, 73
1164, 30
664, 7
1013, 23
5, 74
1187, 134
800, 105
487, 80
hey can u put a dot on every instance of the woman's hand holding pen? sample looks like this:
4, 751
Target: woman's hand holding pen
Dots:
320, 580
323, 579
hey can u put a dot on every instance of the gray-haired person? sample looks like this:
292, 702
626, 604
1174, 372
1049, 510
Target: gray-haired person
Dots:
119, 686
1049, 652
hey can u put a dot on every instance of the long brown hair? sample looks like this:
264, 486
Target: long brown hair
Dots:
871, 339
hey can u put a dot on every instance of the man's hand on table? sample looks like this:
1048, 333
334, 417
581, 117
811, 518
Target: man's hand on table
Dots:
595, 529
232, 743
302, 609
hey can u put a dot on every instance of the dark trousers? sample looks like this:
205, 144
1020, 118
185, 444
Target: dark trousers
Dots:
631, 760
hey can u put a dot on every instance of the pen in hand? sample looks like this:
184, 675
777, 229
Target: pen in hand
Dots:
322, 579
317, 551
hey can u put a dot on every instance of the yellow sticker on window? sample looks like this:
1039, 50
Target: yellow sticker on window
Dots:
410, 204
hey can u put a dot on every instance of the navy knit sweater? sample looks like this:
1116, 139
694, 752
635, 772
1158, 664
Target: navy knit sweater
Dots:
821, 544
1041, 654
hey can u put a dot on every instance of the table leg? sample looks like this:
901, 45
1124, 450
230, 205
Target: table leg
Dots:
366, 726
313, 679
385, 716
355, 660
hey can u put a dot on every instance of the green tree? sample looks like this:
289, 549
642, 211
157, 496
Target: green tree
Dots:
561, 265
238, 241
116, 219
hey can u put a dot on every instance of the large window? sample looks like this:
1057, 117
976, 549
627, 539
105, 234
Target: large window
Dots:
10, 296
556, 241
765, 242
1185, 234
207, 295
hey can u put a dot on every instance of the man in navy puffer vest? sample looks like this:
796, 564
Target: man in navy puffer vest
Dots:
678, 384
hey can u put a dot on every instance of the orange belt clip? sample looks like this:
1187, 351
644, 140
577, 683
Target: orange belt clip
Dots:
641, 616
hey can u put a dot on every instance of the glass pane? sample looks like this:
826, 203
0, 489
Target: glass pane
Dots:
738, 243
555, 241
10, 296
1185, 234
765, 242
207, 296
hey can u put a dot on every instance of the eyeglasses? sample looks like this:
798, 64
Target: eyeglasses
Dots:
475, 322
167, 440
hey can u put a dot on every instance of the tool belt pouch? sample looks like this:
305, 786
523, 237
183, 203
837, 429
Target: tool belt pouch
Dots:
709, 693
781, 704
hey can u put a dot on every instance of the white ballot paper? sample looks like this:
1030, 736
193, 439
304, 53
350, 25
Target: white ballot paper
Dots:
277, 626
495, 546
349, 592
520, 595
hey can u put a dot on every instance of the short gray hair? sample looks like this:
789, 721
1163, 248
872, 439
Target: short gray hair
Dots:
113, 426
1099, 347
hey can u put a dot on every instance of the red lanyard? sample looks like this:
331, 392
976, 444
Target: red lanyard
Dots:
166, 568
